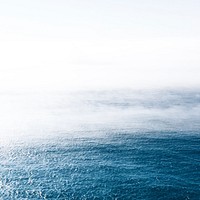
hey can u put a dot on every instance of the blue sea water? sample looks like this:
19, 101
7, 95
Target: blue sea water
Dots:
101, 145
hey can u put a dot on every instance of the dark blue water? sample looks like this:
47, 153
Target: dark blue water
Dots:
108, 162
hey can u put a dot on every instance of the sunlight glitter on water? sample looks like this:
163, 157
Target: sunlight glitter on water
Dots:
119, 144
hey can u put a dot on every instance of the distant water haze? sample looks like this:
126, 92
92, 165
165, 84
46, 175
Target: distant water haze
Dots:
73, 114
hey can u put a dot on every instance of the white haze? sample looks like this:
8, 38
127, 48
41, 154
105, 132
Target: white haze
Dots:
58, 65
30, 116
49, 49
72, 45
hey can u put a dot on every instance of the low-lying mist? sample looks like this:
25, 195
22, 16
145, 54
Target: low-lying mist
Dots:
88, 113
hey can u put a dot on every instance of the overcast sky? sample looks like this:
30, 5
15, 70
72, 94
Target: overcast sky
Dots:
75, 44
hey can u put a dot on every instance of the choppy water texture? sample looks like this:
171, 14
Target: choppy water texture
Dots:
103, 145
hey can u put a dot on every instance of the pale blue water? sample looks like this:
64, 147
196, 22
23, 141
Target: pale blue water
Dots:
110, 145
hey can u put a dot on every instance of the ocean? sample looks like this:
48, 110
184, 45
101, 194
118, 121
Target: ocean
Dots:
113, 144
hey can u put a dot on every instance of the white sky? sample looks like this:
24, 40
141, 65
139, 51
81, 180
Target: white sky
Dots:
74, 44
